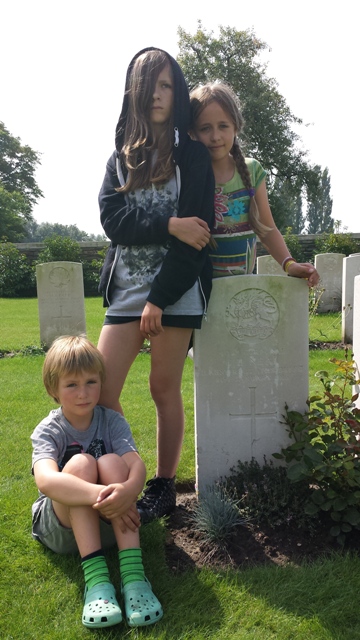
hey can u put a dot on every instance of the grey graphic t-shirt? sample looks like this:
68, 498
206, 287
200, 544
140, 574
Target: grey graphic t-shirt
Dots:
137, 266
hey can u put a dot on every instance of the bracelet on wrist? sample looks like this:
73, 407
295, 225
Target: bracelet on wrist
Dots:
288, 263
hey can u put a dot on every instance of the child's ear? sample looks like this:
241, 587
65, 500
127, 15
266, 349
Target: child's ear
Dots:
192, 135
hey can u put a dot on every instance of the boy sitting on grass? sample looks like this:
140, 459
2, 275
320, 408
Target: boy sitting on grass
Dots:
89, 476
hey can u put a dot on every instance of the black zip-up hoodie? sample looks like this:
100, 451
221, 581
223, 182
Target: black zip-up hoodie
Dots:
126, 225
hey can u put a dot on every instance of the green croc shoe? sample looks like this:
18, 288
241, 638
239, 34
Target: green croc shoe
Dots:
141, 606
101, 609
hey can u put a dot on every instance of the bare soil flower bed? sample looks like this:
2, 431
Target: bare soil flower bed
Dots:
248, 546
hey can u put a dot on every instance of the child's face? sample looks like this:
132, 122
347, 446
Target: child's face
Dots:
216, 131
78, 394
163, 97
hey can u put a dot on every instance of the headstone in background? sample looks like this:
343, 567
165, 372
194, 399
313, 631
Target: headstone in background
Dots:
330, 269
356, 335
351, 269
60, 292
250, 358
266, 265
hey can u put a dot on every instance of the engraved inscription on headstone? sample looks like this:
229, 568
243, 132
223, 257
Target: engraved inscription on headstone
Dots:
252, 313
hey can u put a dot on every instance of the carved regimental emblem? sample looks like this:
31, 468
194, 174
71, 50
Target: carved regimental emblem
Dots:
252, 313
59, 276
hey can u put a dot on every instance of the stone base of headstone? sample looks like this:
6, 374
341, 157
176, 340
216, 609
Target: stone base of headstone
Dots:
250, 359
60, 292
330, 269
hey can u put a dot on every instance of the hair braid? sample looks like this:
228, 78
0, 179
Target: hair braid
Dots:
254, 218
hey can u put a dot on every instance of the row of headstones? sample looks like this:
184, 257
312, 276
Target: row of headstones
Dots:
335, 291
250, 359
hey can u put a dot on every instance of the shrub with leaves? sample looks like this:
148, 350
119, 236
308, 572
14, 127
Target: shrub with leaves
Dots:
17, 277
337, 243
325, 452
59, 249
269, 497
294, 245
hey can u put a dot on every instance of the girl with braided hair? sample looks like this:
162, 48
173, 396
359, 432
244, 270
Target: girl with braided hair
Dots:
242, 210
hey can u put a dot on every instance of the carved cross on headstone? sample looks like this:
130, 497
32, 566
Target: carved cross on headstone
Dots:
254, 417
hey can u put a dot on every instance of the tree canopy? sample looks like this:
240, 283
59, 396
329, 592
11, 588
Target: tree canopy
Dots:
38, 232
19, 191
269, 134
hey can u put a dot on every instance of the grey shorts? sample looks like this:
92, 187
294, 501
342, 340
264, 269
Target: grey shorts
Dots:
47, 529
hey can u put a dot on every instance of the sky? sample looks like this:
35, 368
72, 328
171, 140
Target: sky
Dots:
63, 71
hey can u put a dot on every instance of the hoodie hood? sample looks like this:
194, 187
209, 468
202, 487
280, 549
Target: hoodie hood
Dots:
181, 106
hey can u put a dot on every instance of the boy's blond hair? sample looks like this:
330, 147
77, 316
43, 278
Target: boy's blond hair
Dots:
70, 355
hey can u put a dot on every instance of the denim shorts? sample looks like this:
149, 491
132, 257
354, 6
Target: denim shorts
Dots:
47, 529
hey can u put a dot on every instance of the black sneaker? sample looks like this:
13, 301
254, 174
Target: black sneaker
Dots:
157, 500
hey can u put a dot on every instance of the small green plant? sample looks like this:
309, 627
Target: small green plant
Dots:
32, 350
325, 452
217, 514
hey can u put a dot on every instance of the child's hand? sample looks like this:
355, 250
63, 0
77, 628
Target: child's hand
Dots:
114, 501
304, 270
193, 231
150, 323
131, 520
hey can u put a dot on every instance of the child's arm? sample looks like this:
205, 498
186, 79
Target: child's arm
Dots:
275, 243
116, 499
64, 487
196, 196
136, 226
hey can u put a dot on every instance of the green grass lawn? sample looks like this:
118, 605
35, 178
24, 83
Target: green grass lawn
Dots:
41, 594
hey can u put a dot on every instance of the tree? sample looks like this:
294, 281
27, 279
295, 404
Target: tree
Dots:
19, 191
288, 204
269, 134
320, 206
38, 232
17, 277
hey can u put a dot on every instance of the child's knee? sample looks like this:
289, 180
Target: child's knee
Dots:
83, 466
112, 468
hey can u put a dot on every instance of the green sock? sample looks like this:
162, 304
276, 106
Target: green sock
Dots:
95, 571
131, 566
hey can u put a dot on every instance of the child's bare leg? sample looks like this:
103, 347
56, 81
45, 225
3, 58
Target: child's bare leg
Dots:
141, 605
83, 520
119, 345
112, 469
168, 353
101, 608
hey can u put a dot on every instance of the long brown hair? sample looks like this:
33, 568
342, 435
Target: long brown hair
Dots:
143, 165
224, 95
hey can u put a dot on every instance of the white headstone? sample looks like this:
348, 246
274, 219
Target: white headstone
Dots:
60, 291
266, 265
351, 269
330, 269
356, 335
251, 358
